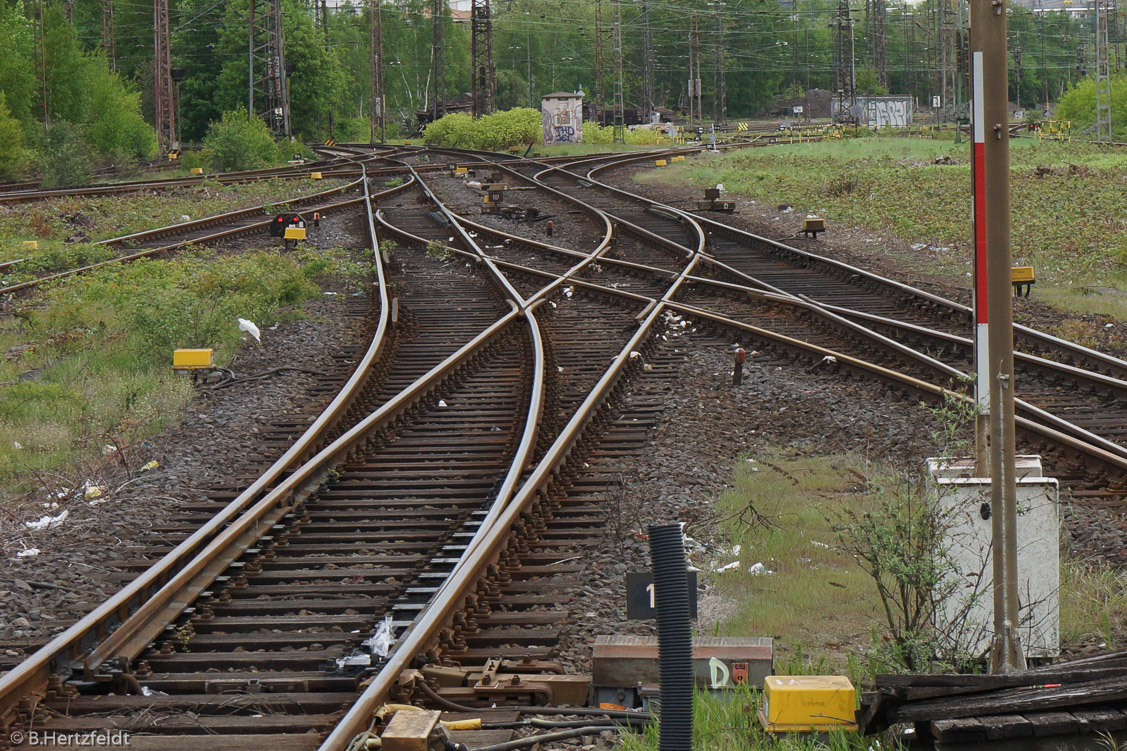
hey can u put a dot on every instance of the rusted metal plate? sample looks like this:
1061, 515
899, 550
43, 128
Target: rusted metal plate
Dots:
619, 660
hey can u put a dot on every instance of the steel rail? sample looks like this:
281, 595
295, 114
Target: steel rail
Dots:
487, 541
1036, 414
847, 270
151, 252
135, 634
891, 376
840, 317
31, 678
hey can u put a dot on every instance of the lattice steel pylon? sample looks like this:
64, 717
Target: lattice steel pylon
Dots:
483, 78
619, 105
843, 62
438, 57
321, 20
40, 54
162, 79
1103, 73
880, 58
269, 89
647, 64
600, 65
109, 33
375, 22
719, 92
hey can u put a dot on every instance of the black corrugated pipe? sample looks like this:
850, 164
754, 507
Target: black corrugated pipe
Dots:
674, 636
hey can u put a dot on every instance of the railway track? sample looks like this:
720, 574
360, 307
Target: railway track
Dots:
428, 508
482, 421
1069, 392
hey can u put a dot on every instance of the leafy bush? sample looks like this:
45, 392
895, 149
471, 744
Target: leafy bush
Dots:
454, 129
11, 142
65, 158
501, 130
1079, 105
238, 142
599, 134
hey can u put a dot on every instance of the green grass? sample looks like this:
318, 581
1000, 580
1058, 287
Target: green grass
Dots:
728, 722
51, 222
87, 361
1070, 224
817, 595
1093, 604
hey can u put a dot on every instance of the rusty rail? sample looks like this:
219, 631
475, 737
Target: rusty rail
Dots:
24, 685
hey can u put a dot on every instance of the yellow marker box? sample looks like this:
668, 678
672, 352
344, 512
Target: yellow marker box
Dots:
660, 163
315, 176
805, 703
295, 233
679, 158
195, 171
1022, 275
31, 245
191, 359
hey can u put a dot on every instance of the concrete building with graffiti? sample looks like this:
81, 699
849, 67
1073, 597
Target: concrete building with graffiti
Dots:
876, 111
561, 117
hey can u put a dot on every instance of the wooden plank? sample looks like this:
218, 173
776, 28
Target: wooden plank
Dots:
964, 730
1013, 701
999, 727
1052, 723
1103, 720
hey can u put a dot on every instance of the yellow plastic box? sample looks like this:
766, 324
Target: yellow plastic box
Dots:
808, 703
660, 162
31, 245
195, 171
1022, 275
191, 359
315, 176
679, 158
295, 233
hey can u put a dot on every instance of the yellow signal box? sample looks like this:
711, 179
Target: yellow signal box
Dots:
315, 176
808, 703
185, 360
294, 233
660, 163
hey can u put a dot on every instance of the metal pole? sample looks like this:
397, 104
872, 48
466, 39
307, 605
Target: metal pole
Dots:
991, 169
250, 60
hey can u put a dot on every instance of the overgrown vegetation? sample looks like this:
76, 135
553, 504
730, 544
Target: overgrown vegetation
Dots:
89, 360
729, 722
237, 142
501, 130
65, 227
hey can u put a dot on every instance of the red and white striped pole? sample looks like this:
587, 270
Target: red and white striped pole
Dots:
993, 305
981, 312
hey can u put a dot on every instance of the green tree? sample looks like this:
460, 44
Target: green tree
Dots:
65, 157
114, 122
17, 74
11, 142
1079, 105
